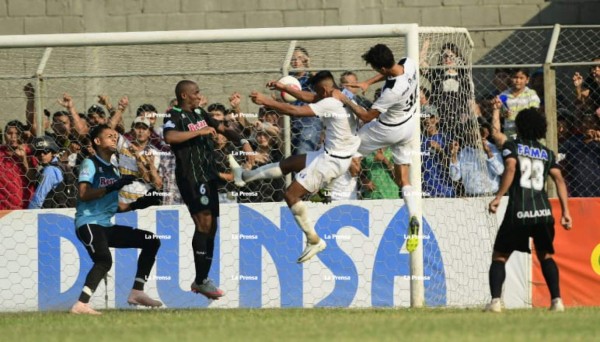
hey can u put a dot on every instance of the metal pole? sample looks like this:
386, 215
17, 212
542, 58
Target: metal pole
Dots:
550, 101
287, 127
417, 287
39, 80
206, 36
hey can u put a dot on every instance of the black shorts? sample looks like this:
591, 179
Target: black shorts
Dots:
200, 197
516, 238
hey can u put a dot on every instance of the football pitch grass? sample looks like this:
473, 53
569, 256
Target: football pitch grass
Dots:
576, 324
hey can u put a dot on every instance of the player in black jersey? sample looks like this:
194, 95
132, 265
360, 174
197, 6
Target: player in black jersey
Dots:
191, 132
527, 163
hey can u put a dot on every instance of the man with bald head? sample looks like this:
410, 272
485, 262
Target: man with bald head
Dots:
191, 132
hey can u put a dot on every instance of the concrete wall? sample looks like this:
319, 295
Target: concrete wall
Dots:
70, 16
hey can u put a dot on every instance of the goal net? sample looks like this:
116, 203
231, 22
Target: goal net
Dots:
366, 262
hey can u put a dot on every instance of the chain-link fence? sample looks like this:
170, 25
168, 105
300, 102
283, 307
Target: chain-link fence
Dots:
147, 75
563, 65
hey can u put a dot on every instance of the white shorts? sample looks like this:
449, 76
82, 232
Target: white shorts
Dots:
321, 168
375, 135
343, 187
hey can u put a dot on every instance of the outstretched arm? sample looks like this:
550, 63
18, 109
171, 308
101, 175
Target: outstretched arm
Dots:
284, 108
365, 115
302, 95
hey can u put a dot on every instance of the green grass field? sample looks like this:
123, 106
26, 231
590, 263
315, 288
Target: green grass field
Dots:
576, 324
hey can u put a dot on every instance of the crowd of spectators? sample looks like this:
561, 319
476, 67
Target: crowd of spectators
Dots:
459, 153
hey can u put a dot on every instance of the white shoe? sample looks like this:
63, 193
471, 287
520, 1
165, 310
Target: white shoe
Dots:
237, 171
81, 308
557, 305
494, 306
312, 250
137, 297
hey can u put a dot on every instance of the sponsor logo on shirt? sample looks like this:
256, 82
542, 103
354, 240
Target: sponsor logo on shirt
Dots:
506, 152
169, 124
197, 126
532, 152
534, 213
106, 181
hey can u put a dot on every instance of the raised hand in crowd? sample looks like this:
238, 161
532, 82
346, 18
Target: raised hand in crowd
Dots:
105, 101
80, 125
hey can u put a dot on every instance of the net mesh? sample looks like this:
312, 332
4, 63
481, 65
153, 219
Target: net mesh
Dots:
148, 74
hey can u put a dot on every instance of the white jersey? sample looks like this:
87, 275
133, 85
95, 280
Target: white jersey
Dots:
399, 98
128, 166
340, 124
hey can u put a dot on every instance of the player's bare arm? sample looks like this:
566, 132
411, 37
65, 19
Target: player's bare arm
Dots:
302, 95
362, 113
510, 166
364, 85
561, 189
284, 108
178, 137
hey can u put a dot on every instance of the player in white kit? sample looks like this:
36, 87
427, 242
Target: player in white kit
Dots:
315, 169
391, 121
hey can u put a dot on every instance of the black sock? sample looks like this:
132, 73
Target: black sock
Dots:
210, 247
550, 271
201, 260
138, 284
497, 276
94, 276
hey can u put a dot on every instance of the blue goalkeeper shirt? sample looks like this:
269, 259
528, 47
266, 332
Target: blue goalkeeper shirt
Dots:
100, 174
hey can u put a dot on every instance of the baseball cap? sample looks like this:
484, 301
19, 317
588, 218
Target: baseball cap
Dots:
142, 120
95, 109
45, 143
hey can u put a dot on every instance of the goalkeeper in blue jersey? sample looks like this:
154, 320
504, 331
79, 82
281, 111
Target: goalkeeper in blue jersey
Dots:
99, 185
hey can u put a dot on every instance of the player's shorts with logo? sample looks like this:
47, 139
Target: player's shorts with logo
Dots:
321, 168
200, 196
398, 136
513, 237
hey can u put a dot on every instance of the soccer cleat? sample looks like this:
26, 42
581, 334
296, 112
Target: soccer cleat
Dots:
494, 306
81, 308
137, 297
208, 289
413, 234
557, 305
311, 250
237, 172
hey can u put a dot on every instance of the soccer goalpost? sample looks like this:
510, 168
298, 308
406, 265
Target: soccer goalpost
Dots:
449, 265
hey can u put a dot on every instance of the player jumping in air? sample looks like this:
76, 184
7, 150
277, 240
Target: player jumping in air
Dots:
99, 185
315, 169
390, 121
191, 132
527, 163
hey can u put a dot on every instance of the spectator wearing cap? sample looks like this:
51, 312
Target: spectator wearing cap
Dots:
17, 168
434, 158
48, 190
96, 115
266, 190
149, 113
466, 165
139, 158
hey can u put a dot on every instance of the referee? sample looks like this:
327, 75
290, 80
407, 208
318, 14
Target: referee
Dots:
191, 132
99, 184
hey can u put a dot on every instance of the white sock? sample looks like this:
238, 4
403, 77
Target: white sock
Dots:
264, 172
409, 195
300, 214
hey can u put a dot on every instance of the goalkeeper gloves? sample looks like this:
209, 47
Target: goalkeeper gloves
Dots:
149, 199
125, 180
